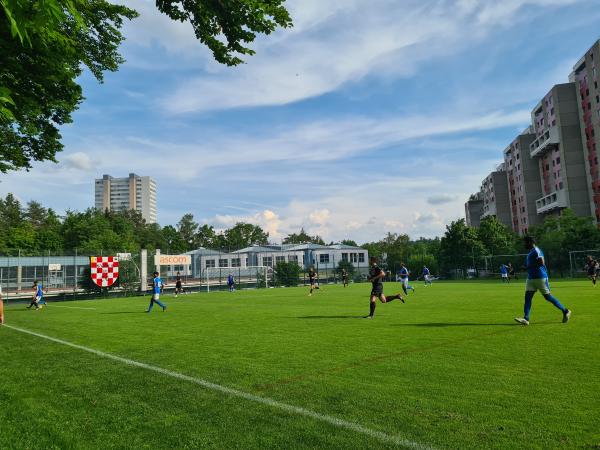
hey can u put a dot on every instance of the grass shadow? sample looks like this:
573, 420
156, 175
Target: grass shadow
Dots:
330, 317
463, 324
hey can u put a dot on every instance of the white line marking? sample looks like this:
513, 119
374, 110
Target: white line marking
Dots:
71, 307
340, 423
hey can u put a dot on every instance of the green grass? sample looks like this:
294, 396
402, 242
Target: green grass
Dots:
448, 369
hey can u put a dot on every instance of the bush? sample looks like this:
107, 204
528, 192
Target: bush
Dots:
287, 274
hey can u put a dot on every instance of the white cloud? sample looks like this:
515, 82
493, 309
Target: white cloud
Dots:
77, 160
334, 43
440, 199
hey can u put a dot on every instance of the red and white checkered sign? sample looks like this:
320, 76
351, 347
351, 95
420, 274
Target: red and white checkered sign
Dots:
104, 270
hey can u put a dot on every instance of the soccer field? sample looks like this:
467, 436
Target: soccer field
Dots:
274, 368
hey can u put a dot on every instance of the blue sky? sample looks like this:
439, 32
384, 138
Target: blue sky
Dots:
366, 117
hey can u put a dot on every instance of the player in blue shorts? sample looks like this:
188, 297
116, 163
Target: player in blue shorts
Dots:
504, 273
426, 274
157, 285
231, 283
537, 280
404, 273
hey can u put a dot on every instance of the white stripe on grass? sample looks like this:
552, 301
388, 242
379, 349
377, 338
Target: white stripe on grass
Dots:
340, 423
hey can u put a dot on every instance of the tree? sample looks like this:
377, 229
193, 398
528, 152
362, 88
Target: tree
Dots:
243, 235
45, 44
237, 21
175, 243
460, 247
302, 238
43, 48
496, 237
187, 229
205, 237
349, 242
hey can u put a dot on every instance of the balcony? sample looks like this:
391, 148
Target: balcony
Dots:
546, 141
489, 209
556, 200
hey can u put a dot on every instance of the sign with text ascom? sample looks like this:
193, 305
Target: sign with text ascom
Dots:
172, 260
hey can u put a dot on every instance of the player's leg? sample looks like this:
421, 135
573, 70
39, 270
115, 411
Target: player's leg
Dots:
391, 298
372, 306
405, 285
1, 310
552, 299
530, 290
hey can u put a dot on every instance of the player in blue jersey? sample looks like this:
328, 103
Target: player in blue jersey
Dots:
426, 274
504, 273
157, 285
231, 283
38, 296
404, 274
537, 280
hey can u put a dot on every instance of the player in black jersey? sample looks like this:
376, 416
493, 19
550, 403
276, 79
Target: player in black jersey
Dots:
376, 276
591, 266
345, 277
312, 276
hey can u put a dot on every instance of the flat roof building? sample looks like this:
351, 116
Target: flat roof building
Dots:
558, 149
131, 193
495, 196
585, 76
524, 185
474, 210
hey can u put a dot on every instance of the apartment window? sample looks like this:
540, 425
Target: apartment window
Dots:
267, 261
246, 262
223, 263
236, 262
210, 263
361, 257
293, 259
353, 257
344, 256
560, 185
279, 259
324, 258
558, 160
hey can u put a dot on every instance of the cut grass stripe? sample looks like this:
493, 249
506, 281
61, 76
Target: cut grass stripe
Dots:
340, 423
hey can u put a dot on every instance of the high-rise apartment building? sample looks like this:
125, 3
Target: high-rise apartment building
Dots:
495, 196
585, 76
474, 210
524, 185
134, 192
559, 151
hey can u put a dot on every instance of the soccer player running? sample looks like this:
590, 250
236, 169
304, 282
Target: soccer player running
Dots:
178, 286
511, 272
376, 276
38, 296
345, 277
312, 276
592, 268
231, 283
537, 280
404, 274
504, 273
426, 274
157, 285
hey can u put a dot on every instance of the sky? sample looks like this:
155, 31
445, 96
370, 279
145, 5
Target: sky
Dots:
366, 117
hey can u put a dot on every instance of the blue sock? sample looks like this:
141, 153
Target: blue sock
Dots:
410, 287
404, 289
151, 305
528, 300
159, 304
555, 302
